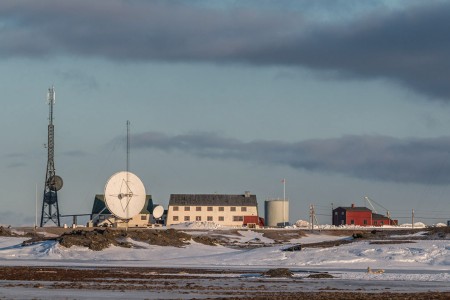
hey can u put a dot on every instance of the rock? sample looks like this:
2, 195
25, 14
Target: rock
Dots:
99, 238
5, 231
279, 272
297, 247
320, 275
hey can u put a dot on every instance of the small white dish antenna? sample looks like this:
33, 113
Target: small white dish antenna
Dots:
158, 212
124, 195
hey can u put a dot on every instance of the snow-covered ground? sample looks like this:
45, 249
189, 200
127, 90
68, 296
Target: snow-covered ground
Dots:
423, 260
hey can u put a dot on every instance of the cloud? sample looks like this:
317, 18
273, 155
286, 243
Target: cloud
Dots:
408, 45
15, 165
373, 157
75, 153
78, 78
16, 155
16, 160
15, 219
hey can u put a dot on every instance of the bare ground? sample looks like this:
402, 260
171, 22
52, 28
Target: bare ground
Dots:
176, 282
101, 238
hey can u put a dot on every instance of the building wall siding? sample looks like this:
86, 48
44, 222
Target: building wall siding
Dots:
228, 214
361, 218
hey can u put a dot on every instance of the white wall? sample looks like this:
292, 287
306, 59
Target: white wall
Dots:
215, 213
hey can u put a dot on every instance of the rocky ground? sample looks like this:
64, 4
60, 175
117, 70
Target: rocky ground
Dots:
101, 238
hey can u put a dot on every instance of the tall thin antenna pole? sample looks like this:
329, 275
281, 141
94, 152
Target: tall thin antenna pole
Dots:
128, 146
284, 201
128, 166
36, 207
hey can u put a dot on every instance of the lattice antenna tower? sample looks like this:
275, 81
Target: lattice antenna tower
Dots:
53, 182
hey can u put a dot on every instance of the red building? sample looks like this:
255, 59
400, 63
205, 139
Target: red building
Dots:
361, 216
380, 220
352, 216
253, 221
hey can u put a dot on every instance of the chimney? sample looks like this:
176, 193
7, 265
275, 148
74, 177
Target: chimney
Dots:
247, 194
353, 205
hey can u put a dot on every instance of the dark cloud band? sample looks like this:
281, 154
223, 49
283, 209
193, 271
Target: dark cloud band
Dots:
425, 161
409, 46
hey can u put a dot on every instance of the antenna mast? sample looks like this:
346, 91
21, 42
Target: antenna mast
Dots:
128, 145
53, 183
128, 165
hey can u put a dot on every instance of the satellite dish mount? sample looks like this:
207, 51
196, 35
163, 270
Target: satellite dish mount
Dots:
124, 192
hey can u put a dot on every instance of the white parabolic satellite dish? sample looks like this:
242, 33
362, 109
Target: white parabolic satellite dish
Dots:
158, 212
124, 195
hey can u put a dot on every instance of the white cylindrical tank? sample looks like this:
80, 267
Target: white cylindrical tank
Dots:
276, 212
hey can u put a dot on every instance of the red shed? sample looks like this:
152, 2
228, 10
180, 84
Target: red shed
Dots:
353, 215
380, 220
253, 221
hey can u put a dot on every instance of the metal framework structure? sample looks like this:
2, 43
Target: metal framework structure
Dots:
50, 209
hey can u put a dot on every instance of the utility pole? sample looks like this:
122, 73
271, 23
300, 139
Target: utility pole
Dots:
412, 219
312, 216
284, 202
332, 214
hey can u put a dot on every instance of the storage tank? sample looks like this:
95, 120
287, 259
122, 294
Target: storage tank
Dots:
276, 212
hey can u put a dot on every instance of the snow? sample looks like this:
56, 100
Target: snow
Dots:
242, 237
316, 238
306, 224
423, 260
417, 234
252, 236
197, 225
416, 225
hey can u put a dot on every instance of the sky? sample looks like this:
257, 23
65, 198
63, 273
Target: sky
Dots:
344, 99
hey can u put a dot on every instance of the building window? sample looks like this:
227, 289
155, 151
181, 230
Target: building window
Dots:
238, 218
198, 218
187, 208
381, 223
375, 222
352, 222
232, 208
143, 218
209, 218
175, 208
335, 213
221, 208
175, 218
187, 218
343, 213
209, 208
365, 222
221, 219
243, 208
198, 208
